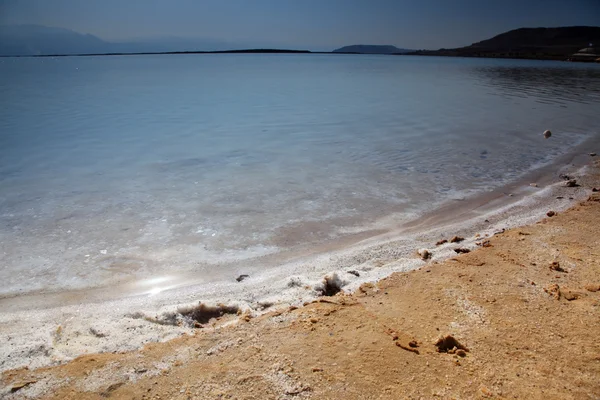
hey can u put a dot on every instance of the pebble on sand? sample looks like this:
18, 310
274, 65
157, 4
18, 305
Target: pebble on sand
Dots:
547, 134
551, 213
555, 266
448, 343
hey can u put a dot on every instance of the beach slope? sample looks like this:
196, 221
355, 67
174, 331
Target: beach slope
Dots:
519, 318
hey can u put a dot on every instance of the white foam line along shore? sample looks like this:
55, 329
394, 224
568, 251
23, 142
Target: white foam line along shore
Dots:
41, 337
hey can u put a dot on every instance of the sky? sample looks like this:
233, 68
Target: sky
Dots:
306, 24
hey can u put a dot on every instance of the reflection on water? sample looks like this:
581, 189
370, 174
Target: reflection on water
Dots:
558, 85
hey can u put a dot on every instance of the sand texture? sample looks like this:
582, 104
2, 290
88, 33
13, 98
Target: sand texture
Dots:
517, 317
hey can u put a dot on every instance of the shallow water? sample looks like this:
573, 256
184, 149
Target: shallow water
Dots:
120, 168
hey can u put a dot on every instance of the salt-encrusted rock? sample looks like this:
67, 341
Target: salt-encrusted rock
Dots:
457, 239
424, 253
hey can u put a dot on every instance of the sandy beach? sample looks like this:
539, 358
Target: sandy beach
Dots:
299, 200
518, 316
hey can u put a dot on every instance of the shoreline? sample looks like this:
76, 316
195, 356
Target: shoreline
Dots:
523, 306
427, 53
389, 224
374, 257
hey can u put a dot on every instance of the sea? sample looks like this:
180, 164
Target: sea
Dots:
121, 169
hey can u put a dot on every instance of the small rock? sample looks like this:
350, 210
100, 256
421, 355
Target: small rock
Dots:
570, 295
555, 266
317, 369
441, 242
592, 154
355, 273
424, 253
457, 239
461, 353
242, 277
407, 348
20, 385
462, 250
547, 134
595, 190
413, 343
533, 184
448, 343
554, 291
107, 392
97, 333
551, 213
593, 288
571, 183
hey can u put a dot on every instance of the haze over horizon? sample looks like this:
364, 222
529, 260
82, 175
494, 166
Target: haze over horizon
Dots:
311, 24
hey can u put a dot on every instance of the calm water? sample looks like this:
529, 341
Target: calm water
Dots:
121, 167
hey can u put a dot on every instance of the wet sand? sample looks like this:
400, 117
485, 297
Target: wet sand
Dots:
522, 309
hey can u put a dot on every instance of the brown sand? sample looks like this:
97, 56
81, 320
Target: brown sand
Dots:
526, 306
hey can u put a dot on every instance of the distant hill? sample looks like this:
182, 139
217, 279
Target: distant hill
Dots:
36, 40
371, 49
536, 43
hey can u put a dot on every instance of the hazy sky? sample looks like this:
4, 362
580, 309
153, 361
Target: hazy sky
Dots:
313, 24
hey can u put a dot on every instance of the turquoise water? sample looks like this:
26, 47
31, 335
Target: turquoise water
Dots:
117, 168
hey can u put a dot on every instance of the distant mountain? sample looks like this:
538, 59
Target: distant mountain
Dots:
170, 44
31, 40
36, 40
537, 43
371, 49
